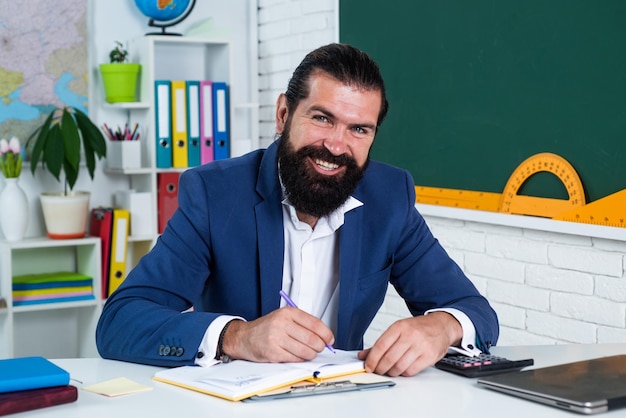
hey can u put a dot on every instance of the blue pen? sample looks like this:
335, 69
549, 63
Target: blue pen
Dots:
293, 305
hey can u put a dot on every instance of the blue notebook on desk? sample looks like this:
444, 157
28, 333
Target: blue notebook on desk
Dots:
25, 373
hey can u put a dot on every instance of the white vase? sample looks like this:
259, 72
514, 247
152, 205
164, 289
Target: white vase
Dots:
13, 210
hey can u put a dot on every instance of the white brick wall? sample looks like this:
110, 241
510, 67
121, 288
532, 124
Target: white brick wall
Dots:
547, 287
288, 30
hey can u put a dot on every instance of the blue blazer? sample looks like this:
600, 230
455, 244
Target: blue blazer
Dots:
222, 253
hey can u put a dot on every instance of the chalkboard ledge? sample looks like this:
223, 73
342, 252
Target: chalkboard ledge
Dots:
526, 222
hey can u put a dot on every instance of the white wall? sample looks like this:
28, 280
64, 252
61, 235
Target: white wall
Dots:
547, 287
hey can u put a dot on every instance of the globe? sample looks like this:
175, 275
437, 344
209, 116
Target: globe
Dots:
162, 9
165, 13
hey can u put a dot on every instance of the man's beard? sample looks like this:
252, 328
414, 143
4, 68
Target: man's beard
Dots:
309, 191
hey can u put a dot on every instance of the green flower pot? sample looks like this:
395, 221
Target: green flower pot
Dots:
120, 81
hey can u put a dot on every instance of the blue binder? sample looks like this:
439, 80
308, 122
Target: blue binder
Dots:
221, 121
163, 123
193, 123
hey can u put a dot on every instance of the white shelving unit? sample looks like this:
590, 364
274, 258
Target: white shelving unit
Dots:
54, 330
178, 58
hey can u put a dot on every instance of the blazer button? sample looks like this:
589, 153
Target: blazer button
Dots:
179, 351
166, 350
161, 349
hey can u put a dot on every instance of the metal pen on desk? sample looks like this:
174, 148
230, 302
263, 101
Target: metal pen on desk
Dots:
293, 305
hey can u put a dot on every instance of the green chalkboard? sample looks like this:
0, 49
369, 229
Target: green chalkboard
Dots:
475, 87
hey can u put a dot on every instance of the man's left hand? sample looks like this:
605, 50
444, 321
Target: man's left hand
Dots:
410, 345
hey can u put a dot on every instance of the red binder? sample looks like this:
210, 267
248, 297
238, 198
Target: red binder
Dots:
167, 197
101, 225
26, 400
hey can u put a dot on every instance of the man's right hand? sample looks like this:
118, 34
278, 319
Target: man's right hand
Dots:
284, 335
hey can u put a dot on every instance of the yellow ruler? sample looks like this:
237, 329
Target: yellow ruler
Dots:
608, 211
514, 203
509, 201
465, 199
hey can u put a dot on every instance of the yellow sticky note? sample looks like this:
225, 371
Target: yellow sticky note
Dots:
117, 387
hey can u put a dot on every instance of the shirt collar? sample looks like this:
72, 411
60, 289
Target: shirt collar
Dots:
336, 218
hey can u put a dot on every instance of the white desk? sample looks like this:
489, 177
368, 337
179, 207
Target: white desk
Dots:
432, 393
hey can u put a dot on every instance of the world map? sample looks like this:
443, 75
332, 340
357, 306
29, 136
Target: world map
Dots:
43, 62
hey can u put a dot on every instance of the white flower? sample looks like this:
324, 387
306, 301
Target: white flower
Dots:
14, 145
10, 157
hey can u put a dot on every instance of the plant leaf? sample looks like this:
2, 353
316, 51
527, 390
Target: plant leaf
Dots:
71, 139
94, 143
90, 160
95, 137
40, 142
71, 174
10, 158
53, 151
18, 167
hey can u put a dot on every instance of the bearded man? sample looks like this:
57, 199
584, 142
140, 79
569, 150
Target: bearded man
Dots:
312, 216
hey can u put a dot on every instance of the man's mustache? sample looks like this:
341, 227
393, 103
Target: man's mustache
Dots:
323, 154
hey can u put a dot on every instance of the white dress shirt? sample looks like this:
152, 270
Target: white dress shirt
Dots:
311, 268
311, 278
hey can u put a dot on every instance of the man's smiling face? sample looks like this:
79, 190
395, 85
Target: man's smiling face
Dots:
325, 143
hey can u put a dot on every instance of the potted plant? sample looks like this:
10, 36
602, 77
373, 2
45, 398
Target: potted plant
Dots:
57, 144
119, 77
13, 200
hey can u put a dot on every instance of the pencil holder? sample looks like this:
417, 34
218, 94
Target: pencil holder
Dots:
124, 154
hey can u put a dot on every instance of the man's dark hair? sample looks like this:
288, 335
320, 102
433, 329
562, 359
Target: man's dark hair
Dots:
343, 62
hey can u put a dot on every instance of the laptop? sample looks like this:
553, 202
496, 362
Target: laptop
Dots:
587, 387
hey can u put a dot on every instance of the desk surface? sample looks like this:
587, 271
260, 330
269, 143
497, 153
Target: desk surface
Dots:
431, 393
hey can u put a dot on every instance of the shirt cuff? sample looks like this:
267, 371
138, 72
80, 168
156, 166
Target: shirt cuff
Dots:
208, 345
468, 341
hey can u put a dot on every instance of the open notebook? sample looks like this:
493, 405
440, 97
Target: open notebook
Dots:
242, 379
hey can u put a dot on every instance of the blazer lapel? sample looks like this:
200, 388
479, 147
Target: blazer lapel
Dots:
349, 260
270, 235
271, 250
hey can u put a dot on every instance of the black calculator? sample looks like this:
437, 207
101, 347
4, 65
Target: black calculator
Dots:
481, 365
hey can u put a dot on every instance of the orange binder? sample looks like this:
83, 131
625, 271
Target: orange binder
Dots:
100, 225
167, 197
180, 151
119, 244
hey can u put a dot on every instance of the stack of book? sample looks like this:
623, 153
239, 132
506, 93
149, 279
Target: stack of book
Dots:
28, 383
32, 289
